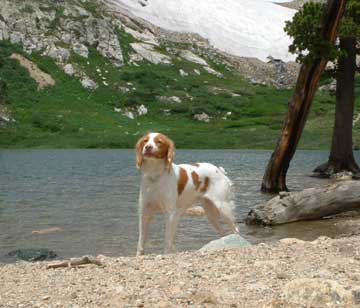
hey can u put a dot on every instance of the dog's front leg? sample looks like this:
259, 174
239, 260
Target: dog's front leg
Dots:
171, 225
144, 221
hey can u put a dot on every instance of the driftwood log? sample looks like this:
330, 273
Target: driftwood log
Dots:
312, 203
73, 262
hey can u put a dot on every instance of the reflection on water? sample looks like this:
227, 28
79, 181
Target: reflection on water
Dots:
92, 195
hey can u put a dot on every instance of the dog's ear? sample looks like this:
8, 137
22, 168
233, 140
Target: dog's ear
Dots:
138, 150
170, 153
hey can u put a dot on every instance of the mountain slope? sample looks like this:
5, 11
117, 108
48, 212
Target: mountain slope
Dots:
246, 28
115, 79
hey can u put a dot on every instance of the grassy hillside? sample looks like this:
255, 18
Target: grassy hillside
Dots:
67, 115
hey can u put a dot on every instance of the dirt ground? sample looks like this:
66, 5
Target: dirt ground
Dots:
289, 273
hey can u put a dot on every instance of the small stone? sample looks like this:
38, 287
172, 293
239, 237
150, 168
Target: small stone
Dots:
142, 110
183, 73
69, 69
89, 84
203, 117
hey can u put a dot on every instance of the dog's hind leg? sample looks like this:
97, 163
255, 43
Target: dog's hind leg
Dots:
226, 213
213, 215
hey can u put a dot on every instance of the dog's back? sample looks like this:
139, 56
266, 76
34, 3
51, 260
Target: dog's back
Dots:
209, 185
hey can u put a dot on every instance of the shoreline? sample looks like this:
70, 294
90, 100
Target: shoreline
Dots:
266, 275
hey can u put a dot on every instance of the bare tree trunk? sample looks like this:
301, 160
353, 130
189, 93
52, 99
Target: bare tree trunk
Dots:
341, 156
274, 179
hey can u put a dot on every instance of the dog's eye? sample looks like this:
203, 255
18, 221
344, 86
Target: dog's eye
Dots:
159, 141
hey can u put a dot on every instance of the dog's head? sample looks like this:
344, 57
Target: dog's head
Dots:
155, 146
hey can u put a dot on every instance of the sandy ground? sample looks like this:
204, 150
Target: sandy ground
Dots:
43, 79
289, 273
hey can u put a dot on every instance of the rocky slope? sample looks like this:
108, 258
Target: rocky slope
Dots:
123, 67
291, 273
60, 29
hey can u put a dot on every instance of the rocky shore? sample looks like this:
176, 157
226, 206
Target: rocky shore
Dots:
289, 273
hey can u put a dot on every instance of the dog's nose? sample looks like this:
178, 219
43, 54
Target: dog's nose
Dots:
148, 147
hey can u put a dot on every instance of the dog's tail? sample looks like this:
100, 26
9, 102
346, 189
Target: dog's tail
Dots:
195, 211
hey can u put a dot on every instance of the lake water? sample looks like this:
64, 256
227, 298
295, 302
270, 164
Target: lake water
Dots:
92, 195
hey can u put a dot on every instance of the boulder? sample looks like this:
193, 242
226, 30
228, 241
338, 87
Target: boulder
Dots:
169, 99
213, 72
69, 69
89, 84
229, 241
81, 50
57, 53
146, 36
147, 52
191, 57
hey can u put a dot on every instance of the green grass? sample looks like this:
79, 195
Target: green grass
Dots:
69, 116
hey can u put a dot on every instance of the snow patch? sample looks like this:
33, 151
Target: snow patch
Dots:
248, 28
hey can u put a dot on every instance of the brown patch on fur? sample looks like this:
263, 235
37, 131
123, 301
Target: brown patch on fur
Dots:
183, 178
138, 149
166, 149
206, 185
196, 164
196, 181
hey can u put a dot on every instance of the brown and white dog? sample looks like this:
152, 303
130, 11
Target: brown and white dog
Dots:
176, 189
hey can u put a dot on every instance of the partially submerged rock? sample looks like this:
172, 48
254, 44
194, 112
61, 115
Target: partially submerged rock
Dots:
32, 254
229, 241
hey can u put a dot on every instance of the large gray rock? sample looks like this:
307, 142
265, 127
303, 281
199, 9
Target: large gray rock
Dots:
81, 50
147, 52
229, 241
146, 36
190, 56
59, 54
213, 72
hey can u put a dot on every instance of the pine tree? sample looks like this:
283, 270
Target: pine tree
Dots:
308, 45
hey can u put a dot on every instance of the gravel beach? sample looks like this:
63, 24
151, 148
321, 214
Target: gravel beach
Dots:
289, 273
